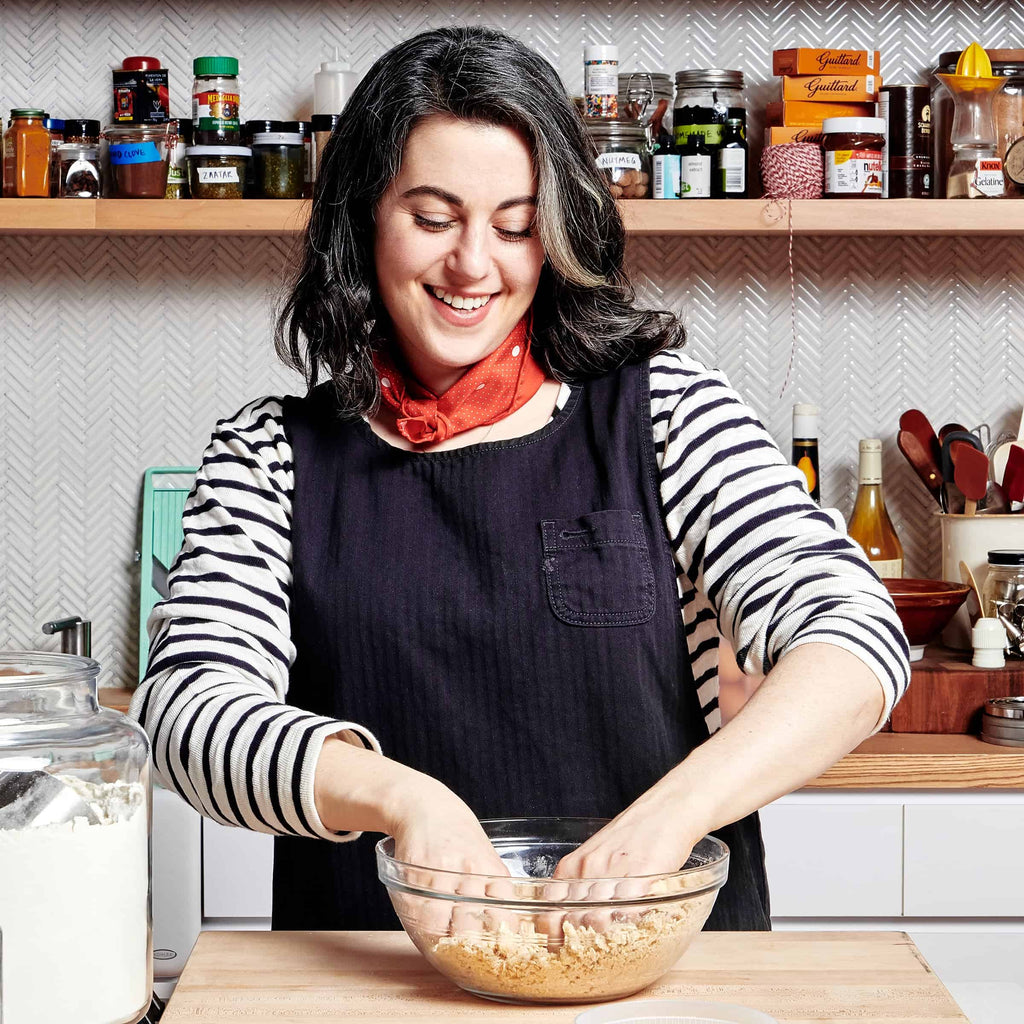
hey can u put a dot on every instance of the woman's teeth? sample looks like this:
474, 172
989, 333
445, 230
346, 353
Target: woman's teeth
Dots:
461, 301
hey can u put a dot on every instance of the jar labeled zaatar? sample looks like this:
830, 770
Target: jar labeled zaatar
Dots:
217, 172
624, 155
138, 160
279, 162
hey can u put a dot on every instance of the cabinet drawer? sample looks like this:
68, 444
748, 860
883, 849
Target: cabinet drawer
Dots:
238, 871
834, 860
963, 860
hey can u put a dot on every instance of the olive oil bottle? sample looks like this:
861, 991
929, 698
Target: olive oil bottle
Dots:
870, 525
805, 446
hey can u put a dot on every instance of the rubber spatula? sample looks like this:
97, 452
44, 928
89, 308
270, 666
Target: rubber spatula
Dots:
948, 428
915, 422
1013, 475
1002, 453
920, 458
970, 474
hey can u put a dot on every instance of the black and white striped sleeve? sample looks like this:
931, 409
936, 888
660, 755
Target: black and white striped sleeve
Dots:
213, 699
757, 560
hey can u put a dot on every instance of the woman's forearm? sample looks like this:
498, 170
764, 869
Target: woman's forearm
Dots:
813, 708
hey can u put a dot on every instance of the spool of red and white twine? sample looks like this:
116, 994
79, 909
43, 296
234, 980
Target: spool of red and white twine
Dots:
793, 170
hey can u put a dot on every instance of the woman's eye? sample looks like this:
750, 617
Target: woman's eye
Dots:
515, 236
432, 225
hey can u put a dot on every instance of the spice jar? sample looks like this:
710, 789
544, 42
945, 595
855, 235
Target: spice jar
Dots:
83, 130
246, 133
215, 101
601, 81
141, 93
138, 156
323, 125
853, 157
279, 160
26, 154
705, 100
83, 871
217, 172
179, 138
1002, 593
55, 126
624, 155
79, 175
309, 161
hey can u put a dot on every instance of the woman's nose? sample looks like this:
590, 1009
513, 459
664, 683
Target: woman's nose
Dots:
470, 257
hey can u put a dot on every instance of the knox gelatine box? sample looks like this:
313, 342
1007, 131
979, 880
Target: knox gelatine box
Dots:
806, 60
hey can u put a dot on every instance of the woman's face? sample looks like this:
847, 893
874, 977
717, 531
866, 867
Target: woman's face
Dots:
456, 250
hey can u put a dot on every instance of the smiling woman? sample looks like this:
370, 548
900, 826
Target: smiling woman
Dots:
500, 540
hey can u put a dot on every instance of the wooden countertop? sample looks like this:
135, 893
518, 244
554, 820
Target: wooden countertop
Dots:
888, 760
819, 977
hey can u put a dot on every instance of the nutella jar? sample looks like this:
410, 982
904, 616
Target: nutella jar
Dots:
853, 157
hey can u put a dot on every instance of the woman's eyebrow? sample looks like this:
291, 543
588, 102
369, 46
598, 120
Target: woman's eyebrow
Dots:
454, 200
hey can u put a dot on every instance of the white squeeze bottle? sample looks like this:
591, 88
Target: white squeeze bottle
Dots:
332, 86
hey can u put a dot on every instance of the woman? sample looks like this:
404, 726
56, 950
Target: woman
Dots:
496, 542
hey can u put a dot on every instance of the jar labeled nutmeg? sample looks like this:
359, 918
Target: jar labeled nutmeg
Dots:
624, 156
853, 157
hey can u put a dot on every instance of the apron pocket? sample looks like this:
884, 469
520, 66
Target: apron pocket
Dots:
598, 569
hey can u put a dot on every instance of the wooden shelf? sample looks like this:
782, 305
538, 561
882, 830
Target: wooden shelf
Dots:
710, 217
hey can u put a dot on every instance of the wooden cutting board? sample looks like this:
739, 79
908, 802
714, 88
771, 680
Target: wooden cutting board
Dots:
819, 977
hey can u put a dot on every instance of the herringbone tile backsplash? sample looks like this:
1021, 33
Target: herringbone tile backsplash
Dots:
120, 353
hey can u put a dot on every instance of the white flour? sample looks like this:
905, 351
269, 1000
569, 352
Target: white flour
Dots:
74, 914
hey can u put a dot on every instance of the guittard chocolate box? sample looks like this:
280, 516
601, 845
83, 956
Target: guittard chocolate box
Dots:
805, 60
810, 114
780, 135
831, 88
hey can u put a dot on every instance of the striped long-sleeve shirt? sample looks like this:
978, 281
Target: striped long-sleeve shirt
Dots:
757, 562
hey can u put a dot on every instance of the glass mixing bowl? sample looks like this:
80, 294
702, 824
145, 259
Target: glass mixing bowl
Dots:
530, 938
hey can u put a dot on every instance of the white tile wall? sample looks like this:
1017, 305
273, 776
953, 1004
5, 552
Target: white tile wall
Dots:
117, 354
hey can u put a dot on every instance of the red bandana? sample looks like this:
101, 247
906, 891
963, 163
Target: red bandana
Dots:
495, 387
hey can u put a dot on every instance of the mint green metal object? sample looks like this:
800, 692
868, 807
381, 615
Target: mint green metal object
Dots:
164, 491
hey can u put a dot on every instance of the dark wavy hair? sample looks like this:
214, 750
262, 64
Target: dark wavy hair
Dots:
585, 320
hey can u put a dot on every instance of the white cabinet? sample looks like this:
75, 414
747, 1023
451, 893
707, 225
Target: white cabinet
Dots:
834, 859
238, 867
964, 859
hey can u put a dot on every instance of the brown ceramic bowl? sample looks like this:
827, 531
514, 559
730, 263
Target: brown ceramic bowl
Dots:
925, 608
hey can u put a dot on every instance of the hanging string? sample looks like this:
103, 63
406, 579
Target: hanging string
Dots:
790, 171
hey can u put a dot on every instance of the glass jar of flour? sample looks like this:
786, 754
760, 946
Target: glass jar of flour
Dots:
74, 847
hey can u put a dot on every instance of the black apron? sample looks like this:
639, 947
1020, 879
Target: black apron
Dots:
503, 617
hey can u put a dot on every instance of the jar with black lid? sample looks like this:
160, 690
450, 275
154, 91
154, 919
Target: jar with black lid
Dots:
623, 156
705, 100
853, 157
279, 159
82, 130
306, 130
323, 125
1003, 590
1007, 112
247, 131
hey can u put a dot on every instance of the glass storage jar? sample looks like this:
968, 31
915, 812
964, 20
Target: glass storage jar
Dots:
279, 161
138, 155
78, 171
74, 847
1007, 112
623, 155
217, 172
705, 100
1002, 593
641, 92
215, 101
27, 154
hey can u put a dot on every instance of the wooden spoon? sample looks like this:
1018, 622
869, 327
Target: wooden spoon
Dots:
920, 458
970, 474
967, 578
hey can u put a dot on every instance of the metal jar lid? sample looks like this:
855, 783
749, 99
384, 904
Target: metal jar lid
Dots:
1005, 707
1006, 556
611, 130
713, 78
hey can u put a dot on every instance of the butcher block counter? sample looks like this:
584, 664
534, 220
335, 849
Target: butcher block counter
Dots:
819, 977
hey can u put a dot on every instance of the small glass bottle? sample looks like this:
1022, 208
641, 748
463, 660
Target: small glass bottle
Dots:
730, 179
805, 446
870, 525
79, 174
694, 168
27, 154
215, 101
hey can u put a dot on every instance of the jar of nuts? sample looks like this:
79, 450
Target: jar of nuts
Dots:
624, 155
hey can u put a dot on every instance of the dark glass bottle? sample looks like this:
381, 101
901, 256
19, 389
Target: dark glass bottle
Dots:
695, 161
730, 177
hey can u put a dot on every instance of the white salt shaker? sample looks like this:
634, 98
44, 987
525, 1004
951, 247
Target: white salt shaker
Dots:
988, 637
